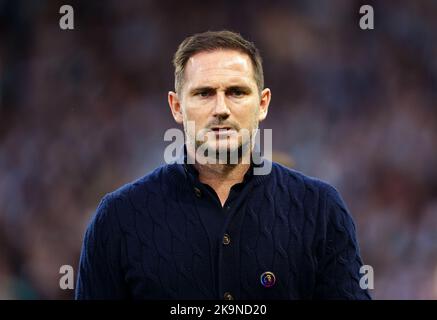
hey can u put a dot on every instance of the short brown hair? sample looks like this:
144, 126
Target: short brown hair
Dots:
215, 40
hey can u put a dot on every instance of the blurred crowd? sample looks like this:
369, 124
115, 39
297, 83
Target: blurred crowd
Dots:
84, 111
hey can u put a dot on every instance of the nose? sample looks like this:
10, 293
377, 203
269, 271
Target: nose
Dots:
221, 109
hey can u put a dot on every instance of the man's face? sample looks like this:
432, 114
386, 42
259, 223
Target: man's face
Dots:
220, 95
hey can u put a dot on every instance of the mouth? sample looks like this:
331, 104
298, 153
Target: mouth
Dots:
223, 130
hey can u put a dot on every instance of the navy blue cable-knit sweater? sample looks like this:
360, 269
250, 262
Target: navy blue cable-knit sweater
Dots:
167, 236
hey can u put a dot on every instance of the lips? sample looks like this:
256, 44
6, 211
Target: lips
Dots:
223, 131
221, 128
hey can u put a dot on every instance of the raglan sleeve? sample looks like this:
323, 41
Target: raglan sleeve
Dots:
100, 274
338, 275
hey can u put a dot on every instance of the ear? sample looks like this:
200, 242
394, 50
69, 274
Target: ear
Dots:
266, 95
175, 106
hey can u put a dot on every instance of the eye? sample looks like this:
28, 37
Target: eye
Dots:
204, 93
236, 92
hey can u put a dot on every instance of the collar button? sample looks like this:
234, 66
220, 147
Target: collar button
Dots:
197, 192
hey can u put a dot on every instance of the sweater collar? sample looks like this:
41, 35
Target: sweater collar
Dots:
181, 166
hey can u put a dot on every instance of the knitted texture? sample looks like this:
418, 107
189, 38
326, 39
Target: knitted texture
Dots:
148, 240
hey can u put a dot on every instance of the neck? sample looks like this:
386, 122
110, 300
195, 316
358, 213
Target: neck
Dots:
221, 173
221, 177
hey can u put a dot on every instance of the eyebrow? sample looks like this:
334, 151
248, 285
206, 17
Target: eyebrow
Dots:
245, 89
201, 89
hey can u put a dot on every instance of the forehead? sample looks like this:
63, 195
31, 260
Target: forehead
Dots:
212, 68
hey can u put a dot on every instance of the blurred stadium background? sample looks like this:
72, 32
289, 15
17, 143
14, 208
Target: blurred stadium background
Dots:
83, 112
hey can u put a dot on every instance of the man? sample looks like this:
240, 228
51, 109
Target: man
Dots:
212, 230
